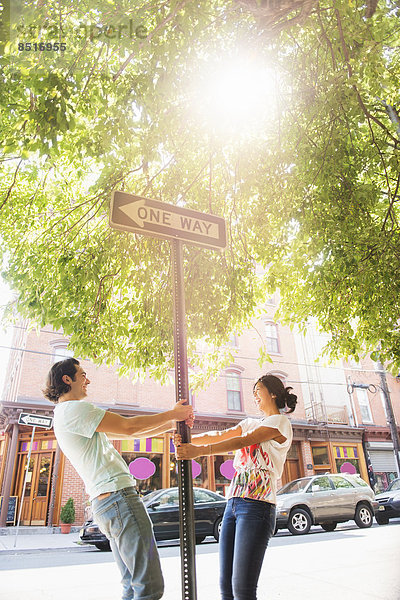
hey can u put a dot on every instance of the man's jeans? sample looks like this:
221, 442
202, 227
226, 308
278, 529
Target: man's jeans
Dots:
124, 520
247, 527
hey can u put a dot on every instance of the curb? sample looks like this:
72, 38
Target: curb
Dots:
15, 551
29, 530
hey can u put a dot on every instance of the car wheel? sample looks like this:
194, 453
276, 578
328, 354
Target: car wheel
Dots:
299, 522
104, 546
363, 516
381, 520
328, 526
217, 528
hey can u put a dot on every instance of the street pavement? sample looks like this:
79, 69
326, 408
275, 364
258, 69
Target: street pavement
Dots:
347, 564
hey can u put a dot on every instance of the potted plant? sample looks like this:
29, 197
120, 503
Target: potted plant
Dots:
67, 516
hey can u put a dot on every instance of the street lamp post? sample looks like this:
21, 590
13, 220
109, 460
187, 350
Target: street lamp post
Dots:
390, 414
371, 387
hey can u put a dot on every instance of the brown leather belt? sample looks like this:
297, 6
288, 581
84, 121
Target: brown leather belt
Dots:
102, 496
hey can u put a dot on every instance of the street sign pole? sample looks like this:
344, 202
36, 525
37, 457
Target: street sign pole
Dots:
32, 420
178, 224
186, 508
28, 460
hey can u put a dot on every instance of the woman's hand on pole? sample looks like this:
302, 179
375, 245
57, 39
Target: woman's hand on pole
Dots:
190, 421
177, 439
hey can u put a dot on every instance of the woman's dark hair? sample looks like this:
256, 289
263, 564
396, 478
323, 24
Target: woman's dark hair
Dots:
283, 397
55, 386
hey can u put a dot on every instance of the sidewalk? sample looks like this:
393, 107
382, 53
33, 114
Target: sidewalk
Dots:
37, 538
349, 564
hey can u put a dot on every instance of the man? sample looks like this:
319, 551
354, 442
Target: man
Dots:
80, 429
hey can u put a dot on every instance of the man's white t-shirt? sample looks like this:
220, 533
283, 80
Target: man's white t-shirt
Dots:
91, 453
258, 467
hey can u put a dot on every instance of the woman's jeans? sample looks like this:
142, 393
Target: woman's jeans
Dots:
124, 520
247, 527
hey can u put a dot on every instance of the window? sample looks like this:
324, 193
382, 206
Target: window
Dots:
294, 487
233, 390
320, 484
354, 364
341, 482
191, 397
201, 496
233, 340
153, 482
60, 352
293, 452
363, 402
170, 498
346, 459
281, 375
320, 456
271, 334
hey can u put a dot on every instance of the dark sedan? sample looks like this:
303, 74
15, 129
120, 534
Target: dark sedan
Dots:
389, 503
163, 509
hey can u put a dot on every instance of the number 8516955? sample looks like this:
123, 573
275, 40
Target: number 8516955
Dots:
42, 47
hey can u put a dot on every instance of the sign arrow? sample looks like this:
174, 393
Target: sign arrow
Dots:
158, 219
132, 211
35, 420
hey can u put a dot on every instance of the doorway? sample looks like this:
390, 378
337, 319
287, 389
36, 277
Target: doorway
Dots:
37, 490
292, 469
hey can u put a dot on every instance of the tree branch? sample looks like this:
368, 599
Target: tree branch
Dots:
99, 294
350, 72
148, 38
11, 186
392, 201
185, 191
157, 174
327, 40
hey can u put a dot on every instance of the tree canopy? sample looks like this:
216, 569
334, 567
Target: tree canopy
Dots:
308, 185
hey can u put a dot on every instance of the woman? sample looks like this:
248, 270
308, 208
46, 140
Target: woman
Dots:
249, 520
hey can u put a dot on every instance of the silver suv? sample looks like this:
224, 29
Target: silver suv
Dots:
324, 500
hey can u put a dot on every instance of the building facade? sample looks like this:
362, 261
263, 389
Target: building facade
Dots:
333, 429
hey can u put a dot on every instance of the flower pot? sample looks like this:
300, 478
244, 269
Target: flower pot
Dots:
65, 527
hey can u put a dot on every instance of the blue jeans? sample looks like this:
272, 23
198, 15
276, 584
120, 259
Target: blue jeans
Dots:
247, 527
124, 520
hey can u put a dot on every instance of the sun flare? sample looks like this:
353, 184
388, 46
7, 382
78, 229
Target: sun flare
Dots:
236, 94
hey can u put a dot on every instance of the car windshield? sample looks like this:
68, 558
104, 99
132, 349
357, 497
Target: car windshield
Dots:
395, 485
150, 497
294, 487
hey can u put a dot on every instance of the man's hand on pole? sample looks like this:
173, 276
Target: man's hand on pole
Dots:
183, 412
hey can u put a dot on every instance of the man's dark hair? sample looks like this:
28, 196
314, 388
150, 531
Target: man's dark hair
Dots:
55, 386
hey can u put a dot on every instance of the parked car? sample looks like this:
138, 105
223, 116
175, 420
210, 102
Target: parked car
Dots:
389, 503
163, 509
325, 500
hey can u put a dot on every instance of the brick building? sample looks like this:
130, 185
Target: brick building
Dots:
331, 426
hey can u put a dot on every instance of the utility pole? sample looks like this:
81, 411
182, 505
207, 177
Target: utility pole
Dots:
390, 414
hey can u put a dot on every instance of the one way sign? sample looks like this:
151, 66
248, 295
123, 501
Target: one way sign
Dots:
35, 420
158, 219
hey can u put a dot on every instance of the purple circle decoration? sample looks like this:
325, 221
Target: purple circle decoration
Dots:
196, 469
348, 467
142, 468
227, 469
